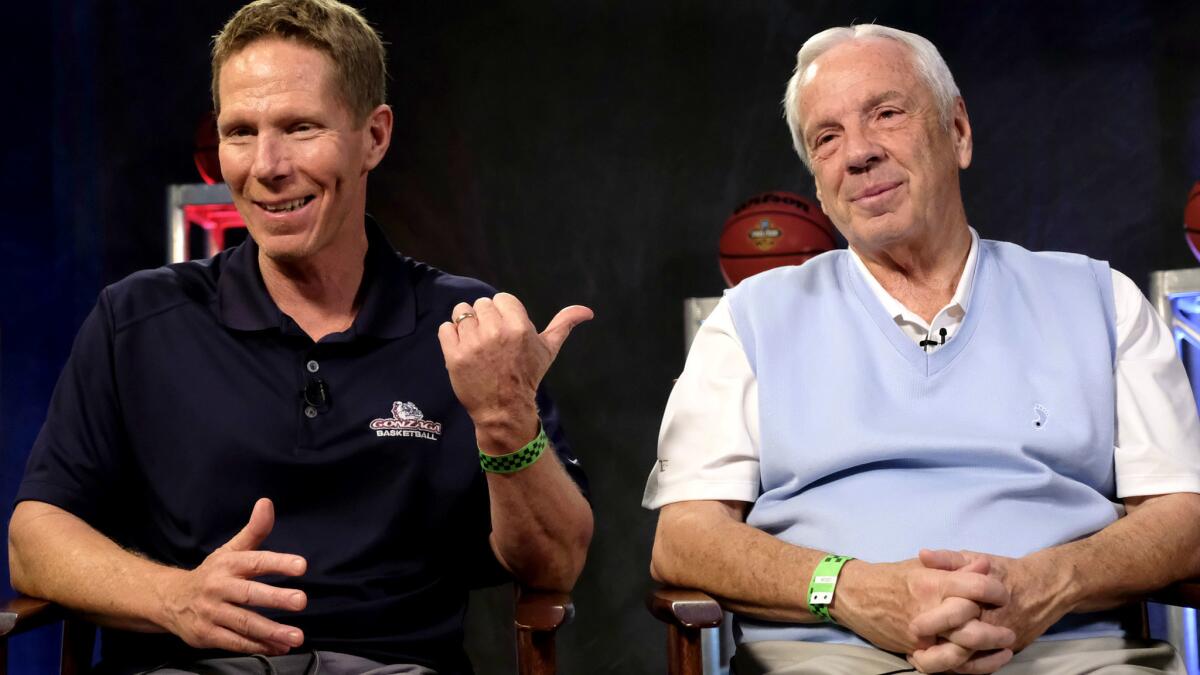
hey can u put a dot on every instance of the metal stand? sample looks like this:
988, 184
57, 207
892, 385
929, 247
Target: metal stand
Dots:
180, 196
1172, 291
716, 644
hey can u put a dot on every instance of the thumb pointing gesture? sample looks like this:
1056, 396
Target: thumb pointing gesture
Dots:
496, 358
262, 520
561, 325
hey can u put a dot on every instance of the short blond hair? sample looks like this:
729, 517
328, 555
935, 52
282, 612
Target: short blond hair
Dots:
337, 30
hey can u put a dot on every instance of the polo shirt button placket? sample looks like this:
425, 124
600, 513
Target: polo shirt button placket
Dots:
315, 391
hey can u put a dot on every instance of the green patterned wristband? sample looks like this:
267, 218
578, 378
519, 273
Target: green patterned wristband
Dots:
515, 461
823, 583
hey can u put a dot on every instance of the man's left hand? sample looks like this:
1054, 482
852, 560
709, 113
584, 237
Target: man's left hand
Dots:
496, 359
1034, 584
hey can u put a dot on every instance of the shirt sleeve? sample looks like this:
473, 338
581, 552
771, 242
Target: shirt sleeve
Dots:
76, 461
1158, 434
708, 442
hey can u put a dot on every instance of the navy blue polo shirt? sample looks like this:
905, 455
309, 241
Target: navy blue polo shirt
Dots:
184, 401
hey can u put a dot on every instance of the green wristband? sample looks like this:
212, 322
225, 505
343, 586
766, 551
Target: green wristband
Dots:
823, 583
515, 461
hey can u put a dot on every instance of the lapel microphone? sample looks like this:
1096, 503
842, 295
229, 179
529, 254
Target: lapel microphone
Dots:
316, 393
926, 344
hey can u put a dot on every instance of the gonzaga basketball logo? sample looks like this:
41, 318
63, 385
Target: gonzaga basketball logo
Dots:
407, 421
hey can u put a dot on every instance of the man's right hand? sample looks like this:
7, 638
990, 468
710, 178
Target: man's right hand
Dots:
879, 601
206, 607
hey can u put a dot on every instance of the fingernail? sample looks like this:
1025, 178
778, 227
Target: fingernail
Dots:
298, 566
297, 598
294, 636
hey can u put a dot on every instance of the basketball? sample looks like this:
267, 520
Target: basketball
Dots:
1191, 219
205, 155
773, 229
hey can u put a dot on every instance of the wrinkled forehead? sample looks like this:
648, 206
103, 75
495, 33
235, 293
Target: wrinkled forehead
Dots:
279, 74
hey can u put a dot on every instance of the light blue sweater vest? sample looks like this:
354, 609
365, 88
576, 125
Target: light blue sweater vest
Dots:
1001, 441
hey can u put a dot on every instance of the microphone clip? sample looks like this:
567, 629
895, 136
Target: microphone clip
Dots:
316, 393
926, 344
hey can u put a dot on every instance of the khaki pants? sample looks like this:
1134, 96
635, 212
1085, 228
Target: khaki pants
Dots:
1101, 656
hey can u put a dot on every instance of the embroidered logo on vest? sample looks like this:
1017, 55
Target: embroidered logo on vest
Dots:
1039, 415
407, 421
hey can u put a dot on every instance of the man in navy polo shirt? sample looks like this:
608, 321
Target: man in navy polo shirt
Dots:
276, 452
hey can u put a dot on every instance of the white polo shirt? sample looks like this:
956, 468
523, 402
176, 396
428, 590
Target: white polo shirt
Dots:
708, 444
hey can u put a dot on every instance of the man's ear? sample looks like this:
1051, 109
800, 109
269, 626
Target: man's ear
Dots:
961, 128
378, 135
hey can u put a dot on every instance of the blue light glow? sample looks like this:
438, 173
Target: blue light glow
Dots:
1187, 309
1188, 304
1189, 637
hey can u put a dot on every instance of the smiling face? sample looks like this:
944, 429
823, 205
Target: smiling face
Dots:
886, 168
294, 157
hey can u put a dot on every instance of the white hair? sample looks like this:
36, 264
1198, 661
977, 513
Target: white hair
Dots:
928, 63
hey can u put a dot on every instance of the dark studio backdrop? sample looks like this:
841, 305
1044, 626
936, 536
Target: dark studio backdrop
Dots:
581, 152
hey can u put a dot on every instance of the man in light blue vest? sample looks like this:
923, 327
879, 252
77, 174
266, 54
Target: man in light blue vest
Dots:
916, 453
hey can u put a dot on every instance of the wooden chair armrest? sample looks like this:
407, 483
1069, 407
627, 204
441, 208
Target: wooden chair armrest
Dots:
23, 613
684, 607
543, 611
1181, 594
538, 615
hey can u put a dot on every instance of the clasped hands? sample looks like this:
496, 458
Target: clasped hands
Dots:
951, 611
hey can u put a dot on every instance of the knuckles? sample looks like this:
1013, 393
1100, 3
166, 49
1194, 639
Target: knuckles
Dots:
210, 584
257, 564
241, 624
205, 608
243, 593
976, 586
204, 636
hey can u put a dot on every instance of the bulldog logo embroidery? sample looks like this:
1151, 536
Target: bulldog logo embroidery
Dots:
407, 421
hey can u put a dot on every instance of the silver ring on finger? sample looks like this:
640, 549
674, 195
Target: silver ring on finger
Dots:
463, 317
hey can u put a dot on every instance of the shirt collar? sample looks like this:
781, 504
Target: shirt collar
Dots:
388, 308
900, 313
